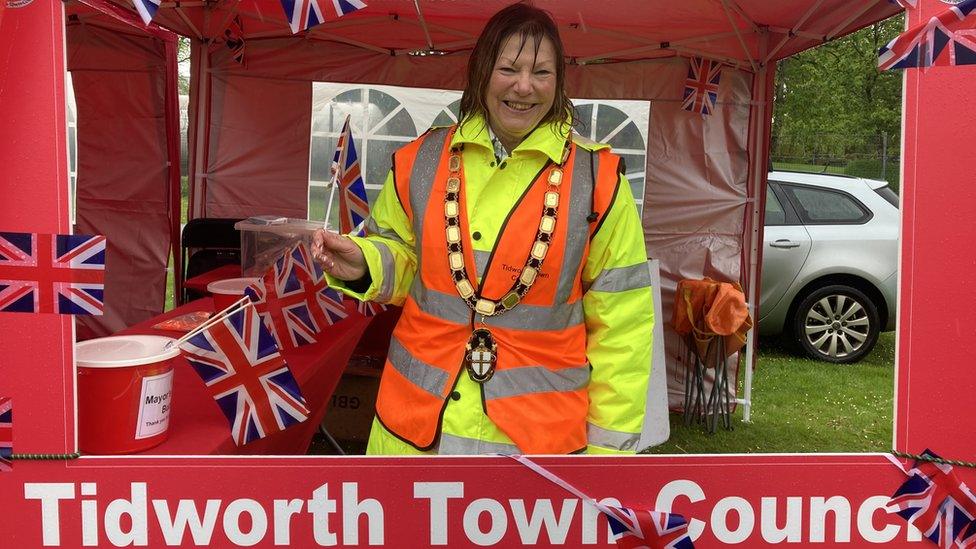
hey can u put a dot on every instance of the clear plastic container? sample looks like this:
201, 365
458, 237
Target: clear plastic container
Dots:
262, 242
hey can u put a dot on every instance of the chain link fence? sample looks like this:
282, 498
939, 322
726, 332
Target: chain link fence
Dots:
871, 156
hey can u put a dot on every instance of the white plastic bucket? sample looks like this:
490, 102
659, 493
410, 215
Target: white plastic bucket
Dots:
125, 392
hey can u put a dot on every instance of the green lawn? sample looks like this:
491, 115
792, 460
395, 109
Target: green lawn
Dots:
800, 405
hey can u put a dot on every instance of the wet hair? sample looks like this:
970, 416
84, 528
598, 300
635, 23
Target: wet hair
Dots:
526, 22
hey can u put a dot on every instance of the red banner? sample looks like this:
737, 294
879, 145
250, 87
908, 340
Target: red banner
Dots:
745, 500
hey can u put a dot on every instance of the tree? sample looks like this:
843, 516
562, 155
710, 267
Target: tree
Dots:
832, 100
183, 62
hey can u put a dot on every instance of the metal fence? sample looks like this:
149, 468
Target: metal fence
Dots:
872, 156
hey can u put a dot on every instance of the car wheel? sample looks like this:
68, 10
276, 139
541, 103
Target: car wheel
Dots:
836, 324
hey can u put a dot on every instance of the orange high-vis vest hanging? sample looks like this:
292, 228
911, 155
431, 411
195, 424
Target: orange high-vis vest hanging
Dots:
538, 392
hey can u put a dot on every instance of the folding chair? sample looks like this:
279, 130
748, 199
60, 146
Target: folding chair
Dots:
208, 243
714, 319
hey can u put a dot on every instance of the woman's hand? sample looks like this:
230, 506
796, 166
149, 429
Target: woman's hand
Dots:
338, 255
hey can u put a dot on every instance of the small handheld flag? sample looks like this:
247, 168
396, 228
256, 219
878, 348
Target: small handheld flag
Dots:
247, 376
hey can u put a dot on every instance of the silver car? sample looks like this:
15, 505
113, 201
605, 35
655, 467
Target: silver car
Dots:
830, 260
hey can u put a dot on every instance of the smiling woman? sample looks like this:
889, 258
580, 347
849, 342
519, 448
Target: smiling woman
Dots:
516, 75
523, 332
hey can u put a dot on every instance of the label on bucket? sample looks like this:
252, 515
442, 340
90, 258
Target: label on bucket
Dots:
154, 405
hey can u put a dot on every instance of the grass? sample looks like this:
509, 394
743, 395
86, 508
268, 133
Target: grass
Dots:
801, 405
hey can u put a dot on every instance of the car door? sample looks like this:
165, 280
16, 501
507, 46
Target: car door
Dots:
786, 245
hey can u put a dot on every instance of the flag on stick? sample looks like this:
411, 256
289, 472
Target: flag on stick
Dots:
247, 376
294, 300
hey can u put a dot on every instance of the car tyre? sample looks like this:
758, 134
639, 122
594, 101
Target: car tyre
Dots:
837, 323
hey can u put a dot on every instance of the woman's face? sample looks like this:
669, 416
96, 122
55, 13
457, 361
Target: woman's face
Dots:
521, 89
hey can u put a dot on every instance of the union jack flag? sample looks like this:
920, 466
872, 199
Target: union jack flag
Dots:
45, 273
305, 14
353, 204
967, 538
234, 39
310, 274
6, 434
294, 301
949, 38
936, 502
147, 9
701, 86
247, 376
647, 529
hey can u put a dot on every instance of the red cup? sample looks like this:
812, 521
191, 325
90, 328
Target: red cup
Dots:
228, 291
125, 392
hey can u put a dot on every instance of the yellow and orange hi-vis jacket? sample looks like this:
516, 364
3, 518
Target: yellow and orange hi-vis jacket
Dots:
574, 356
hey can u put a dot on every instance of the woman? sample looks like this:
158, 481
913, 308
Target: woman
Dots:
516, 251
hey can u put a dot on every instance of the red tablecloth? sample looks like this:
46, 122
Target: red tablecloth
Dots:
199, 282
197, 426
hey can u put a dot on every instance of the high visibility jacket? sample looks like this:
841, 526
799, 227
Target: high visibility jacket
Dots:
573, 356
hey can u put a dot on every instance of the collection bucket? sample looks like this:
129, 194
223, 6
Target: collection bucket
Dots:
225, 292
125, 392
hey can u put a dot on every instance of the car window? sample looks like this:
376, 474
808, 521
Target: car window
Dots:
819, 206
775, 214
888, 194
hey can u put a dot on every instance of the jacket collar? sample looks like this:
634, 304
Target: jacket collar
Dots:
547, 138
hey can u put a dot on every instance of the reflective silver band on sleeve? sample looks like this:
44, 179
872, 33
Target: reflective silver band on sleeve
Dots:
389, 272
462, 446
423, 375
622, 279
372, 229
615, 440
535, 379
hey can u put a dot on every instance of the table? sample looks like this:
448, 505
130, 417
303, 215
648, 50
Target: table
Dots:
199, 283
198, 427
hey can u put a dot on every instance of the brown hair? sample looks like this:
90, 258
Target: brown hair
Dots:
527, 22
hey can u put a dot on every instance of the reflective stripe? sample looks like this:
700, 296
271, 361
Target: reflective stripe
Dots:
449, 307
536, 317
615, 440
422, 181
577, 232
421, 374
480, 262
622, 279
372, 229
535, 379
389, 272
455, 445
